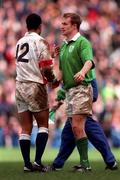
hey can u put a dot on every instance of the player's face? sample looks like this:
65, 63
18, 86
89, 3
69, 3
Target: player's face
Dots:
66, 27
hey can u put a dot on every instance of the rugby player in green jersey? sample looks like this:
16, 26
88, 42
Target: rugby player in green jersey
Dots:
76, 67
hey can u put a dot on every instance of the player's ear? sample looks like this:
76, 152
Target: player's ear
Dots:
75, 26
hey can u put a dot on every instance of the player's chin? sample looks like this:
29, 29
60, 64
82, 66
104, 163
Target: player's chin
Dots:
63, 33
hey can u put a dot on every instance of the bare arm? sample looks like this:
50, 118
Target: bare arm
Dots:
79, 76
46, 62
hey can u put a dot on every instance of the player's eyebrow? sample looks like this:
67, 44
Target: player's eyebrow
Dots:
64, 23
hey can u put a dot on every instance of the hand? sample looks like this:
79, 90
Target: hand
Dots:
56, 106
55, 50
60, 95
79, 76
54, 84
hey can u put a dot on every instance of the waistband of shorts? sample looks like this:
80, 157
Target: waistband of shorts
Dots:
30, 82
78, 84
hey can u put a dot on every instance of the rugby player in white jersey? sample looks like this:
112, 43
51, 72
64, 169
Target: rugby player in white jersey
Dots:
34, 66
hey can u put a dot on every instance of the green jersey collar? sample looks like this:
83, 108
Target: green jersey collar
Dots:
75, 37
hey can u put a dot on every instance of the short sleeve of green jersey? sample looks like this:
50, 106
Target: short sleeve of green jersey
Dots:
86, 52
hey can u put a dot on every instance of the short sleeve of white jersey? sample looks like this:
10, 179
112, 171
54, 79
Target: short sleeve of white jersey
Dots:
44, 49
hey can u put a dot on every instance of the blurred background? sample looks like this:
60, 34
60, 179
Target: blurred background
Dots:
101, 25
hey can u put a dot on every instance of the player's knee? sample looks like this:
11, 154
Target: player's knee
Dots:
78, 132
27, 129
42, 123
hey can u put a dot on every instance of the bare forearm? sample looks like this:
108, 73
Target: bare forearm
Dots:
49, 74
87, 66
79, 76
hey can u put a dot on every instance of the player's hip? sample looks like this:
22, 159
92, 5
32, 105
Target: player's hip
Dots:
79, 100
32, 96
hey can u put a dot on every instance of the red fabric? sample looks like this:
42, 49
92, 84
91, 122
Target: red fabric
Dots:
45, 62
92, 15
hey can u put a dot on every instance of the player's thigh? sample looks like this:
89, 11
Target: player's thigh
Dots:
78, 120
79, 100
42, 118
20, 93
36, 97
82, 100
31, 96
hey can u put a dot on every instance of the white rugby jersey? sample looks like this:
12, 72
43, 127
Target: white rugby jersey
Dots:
31, 49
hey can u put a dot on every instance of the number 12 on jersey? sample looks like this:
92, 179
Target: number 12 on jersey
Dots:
25, 49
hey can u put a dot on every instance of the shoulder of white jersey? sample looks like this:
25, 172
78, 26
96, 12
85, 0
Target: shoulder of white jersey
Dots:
21, 39
41, 37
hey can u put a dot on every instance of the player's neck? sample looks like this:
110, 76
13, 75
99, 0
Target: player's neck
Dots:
34, 31
71, 35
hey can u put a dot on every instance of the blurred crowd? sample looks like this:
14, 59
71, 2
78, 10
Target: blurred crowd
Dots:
101, 25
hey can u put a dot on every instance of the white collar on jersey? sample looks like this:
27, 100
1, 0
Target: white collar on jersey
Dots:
75, 37
31, 33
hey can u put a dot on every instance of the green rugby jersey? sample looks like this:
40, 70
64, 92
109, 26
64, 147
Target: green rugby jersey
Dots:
73, 55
